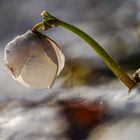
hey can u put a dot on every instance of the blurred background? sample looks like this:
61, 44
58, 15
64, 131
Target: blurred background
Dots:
115, 24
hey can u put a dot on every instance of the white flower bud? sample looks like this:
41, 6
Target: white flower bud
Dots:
34, 60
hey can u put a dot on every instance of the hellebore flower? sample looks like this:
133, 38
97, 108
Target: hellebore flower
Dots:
34, 60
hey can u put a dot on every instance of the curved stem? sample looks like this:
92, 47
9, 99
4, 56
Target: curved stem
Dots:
116, 69
38, 26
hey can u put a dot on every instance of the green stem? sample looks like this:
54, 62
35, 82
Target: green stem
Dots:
50, 21
38, 26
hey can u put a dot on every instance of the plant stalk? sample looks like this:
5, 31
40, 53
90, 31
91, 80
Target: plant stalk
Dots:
50, 21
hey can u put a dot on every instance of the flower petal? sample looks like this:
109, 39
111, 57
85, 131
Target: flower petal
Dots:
60, 56
50, 47
38, 72
34, 60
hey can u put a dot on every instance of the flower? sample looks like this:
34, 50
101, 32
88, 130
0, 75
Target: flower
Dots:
34, 60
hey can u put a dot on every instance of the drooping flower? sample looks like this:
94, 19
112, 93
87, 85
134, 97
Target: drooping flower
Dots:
34, 59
